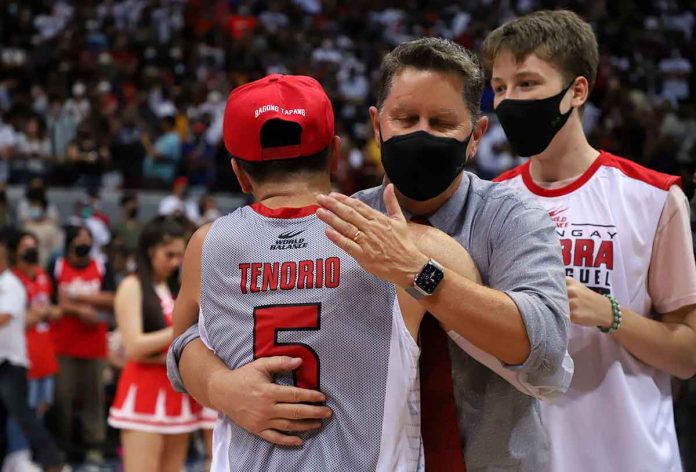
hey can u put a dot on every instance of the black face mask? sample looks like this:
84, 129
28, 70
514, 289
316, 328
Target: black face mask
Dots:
82, 250
30, 256
421, 166
530, 125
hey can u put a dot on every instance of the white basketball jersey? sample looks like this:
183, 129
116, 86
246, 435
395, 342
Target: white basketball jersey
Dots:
274, 285
617, 414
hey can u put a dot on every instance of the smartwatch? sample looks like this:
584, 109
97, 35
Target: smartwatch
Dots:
427, 280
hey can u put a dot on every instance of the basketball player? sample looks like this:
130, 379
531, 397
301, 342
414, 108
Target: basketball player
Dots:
268, 282
626, 245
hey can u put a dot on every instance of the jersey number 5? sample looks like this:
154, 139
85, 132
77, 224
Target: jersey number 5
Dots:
271, 320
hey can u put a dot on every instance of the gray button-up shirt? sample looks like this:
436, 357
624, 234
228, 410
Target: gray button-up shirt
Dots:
514, 245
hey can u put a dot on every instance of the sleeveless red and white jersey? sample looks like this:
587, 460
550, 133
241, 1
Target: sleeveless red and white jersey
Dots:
274, 285
73, 337
617, 414
40, 349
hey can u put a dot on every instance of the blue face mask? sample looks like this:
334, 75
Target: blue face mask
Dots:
35, 213
86, 213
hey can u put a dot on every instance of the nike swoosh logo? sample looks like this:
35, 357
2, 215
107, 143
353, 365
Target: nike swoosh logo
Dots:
289, 234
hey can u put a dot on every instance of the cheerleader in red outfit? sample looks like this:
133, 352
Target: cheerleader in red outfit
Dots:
155, 421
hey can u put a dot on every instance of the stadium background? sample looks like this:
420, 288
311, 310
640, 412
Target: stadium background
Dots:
88, 90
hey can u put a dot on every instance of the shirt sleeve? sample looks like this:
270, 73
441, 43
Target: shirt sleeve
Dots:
174, 354
526, 264
13, 299
672, 272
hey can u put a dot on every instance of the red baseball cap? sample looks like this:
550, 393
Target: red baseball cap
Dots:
290, 98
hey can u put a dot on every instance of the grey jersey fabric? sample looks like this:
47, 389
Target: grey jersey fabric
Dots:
516, 249
278, 286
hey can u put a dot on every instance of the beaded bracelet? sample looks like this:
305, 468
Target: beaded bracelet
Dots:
616, 313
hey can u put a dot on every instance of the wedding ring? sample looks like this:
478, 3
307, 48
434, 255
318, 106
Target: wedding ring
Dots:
357, 234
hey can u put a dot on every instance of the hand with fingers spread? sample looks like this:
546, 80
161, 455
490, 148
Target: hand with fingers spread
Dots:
249, 397
379, 243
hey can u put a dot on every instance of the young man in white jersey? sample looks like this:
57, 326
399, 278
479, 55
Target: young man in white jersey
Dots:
626, 244
265, 281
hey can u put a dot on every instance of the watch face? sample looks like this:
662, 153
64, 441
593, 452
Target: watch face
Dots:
429, 278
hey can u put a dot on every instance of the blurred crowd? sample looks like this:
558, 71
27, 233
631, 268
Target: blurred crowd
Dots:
71, 267
130, 94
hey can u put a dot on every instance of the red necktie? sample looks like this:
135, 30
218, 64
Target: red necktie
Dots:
443, 450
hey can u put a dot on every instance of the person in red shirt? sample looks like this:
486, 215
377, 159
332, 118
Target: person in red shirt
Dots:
84, 289
24, 254
155, 421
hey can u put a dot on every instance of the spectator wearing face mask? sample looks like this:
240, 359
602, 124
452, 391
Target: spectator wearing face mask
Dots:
87, 215
13, 370
85, 293
43, 226
23, 252
36, 189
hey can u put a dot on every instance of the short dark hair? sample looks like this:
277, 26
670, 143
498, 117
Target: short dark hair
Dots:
280, 133
437, 54
71, 233
560, 37
285, 169
13, 241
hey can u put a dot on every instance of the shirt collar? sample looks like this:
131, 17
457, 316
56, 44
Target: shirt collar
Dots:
445, 217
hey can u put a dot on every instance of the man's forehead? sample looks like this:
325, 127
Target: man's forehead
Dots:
423, 88
506, 63
406, 106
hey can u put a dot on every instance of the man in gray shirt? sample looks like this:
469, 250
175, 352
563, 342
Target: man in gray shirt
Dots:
509, 335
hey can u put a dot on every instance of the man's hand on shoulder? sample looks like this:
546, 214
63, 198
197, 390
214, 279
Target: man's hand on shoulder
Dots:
379, 243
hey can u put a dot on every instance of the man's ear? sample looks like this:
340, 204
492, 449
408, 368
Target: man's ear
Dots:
479, 131
580, 92
374, 118
335, 153
242, 177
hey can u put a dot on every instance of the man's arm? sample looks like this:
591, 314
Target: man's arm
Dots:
188, 301
668, 345
35, 314
667, 342
441, 247
247, 395
4, 319
521, 325
100, 300
385, 249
